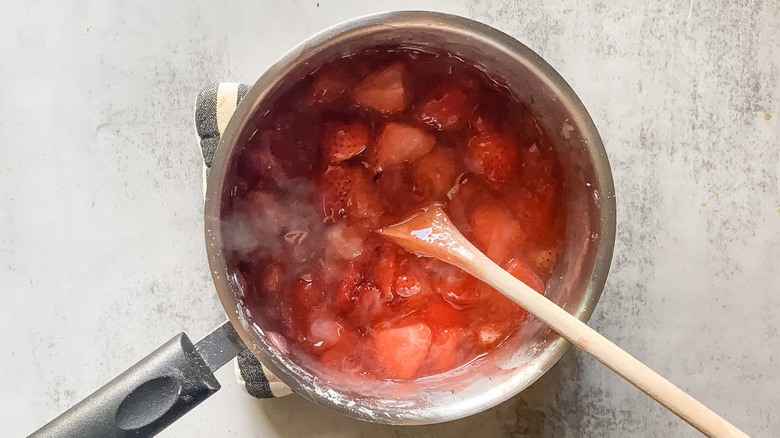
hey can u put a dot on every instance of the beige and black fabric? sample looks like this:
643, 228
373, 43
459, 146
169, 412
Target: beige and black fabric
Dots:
213, 109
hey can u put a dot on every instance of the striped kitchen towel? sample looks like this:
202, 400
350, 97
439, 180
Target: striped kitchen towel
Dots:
213, 109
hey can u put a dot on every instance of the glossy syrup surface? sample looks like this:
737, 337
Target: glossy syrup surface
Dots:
360, 144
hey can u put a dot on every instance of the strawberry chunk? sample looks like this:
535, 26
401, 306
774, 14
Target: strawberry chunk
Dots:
494, 156
324, 332
334, 193
496, 231
366, 303
413, 286
327, 85
434, 174
458, 288
357, 300
342, 141
407, 285
444, 348
342, 242
364, 201
524, 273
491, 334
403, 349
537, 209
546, 259
446, 108
384, 90
537, 202
398, 143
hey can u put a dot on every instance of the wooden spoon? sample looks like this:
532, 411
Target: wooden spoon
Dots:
430, 232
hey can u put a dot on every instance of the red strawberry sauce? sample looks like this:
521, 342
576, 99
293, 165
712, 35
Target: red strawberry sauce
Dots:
359, 144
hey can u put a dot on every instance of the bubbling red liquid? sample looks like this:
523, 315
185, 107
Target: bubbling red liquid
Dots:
359, 144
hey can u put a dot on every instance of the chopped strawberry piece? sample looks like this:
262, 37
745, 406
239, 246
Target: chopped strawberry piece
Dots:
546, 259
444, 348
413, 286
434, 174
496, 231
384, 90
447, 107
407, 285
364, 201
334, 193
537, 202
327, 85
522, 272
357, 300
342, 141
491, 334
398, 143
458, 287
324, 332
366, 303
536, 209
343, 242
403, 349
493, 155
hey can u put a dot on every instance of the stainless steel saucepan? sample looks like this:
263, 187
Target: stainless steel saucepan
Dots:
179, 375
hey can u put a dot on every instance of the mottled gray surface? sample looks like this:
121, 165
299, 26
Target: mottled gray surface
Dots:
101, 246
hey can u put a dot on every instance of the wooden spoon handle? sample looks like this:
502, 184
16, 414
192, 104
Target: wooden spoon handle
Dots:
430, 232
640, 375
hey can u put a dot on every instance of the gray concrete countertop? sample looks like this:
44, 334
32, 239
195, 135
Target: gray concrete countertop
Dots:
101, 244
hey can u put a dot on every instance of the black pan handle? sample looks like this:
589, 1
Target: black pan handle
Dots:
153, 393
